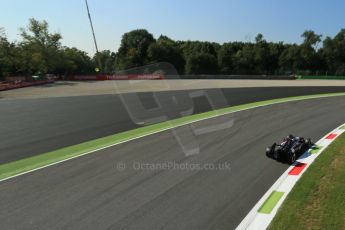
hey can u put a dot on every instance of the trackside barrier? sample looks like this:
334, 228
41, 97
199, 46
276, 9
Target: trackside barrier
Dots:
22, 84
305, 77
266, 208
136, 77
240, 77
116, 77
160, 77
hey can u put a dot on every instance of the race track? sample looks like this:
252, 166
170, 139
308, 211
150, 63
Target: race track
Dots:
92, 192
34, 126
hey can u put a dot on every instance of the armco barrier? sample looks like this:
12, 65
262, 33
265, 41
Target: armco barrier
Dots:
116, 77
320, 77
243, 77
159, 77
136, 77
84, 78
17, 85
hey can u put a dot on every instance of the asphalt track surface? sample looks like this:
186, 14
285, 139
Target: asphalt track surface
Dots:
34, 126
93, 192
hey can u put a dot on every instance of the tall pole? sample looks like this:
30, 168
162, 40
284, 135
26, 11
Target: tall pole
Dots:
93, 34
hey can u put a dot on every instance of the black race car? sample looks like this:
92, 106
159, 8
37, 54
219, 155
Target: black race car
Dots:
289, 149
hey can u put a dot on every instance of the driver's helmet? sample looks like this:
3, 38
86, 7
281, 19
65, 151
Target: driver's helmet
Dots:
290, 136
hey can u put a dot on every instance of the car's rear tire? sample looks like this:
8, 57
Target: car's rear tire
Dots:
292, 158
301, 149
309, 142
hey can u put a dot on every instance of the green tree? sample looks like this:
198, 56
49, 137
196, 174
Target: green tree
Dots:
2, 32
193, 47
311, 39
309, 55
74, 61
9, 57
275, 50
225, 58
166, 50
244, 60
133, 49
40, 47
261, 55
201, 63
4, 61
290, 59
334, 53
107, 59
40, 52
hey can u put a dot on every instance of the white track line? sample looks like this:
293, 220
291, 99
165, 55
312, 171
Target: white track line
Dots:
174, 126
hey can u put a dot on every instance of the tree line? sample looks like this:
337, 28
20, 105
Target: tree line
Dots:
40, 52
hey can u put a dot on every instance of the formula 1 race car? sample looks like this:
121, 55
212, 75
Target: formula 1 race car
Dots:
289, 149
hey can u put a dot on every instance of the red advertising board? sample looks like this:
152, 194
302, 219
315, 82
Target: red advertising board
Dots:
116, 77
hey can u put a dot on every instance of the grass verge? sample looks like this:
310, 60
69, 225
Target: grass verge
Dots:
21, 166
271, 202
317, 201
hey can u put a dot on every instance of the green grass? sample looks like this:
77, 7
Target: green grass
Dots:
317, 201
27, 164
316, 149
271, 202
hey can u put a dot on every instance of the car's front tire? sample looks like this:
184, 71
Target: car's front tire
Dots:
270, 150
276, 155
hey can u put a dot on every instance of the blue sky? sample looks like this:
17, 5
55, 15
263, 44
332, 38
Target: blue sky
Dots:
206, 20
